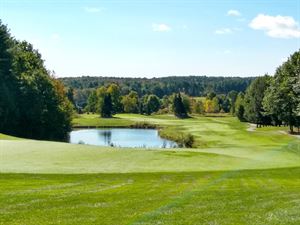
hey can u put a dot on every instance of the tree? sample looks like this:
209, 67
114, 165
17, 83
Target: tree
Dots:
107, 107
101, 92
178, 107
8, 83
115, 92
223, 103
186, 102
131, 102
211, 95
152, 104
232, 96
92, 103
70, 95
282, 98
50, 115
239, 107
33, 104
197, 106
215, 105
208, 106
212, 106
165, 86
254, 111
226, 105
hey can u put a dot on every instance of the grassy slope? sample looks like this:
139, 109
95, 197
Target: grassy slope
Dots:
7, 137
95, 120
76, 184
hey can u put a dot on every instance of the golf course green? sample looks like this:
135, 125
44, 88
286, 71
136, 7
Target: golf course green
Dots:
234, 174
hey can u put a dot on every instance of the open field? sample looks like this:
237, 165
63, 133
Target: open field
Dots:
232, 176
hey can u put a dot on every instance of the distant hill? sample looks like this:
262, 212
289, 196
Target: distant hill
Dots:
191, 85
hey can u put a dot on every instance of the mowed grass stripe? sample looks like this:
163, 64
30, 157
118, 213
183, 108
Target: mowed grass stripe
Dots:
152, 198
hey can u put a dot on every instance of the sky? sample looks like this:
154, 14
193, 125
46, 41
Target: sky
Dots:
157, 38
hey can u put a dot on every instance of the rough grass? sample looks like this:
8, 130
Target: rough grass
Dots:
233, 176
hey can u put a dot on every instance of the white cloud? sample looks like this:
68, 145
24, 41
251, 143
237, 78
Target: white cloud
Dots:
223, 31
92, 9
276, 26
161, 27
233, 12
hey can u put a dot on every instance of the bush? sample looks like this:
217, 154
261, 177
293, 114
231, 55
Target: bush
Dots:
144, 125
183, 140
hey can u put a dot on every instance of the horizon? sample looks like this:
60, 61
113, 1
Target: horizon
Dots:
158, 77
153, 39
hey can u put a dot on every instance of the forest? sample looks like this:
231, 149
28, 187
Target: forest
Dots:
164, 86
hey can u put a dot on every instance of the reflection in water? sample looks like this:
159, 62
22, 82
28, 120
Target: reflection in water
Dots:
121, 137
106, 134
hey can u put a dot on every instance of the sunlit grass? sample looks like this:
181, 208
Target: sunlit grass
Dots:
233, 176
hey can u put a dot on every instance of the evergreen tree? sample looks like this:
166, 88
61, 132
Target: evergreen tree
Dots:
178, 107
226, 105
107, 107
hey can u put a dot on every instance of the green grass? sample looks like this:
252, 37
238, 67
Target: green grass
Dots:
95, 120
236, 197
8, 137
233, 176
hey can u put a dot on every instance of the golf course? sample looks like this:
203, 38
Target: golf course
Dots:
149, 112
234, 174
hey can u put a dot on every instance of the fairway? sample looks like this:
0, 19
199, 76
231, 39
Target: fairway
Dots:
231, 176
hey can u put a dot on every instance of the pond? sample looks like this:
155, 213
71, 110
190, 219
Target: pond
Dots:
121, 137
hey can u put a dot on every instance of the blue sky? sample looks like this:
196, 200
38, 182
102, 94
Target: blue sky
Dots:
157, 38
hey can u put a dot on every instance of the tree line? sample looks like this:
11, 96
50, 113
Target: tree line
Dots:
165, 86
33, 104
268, 100
274, 100
108, 100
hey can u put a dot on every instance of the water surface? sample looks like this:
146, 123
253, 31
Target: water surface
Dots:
121, 137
